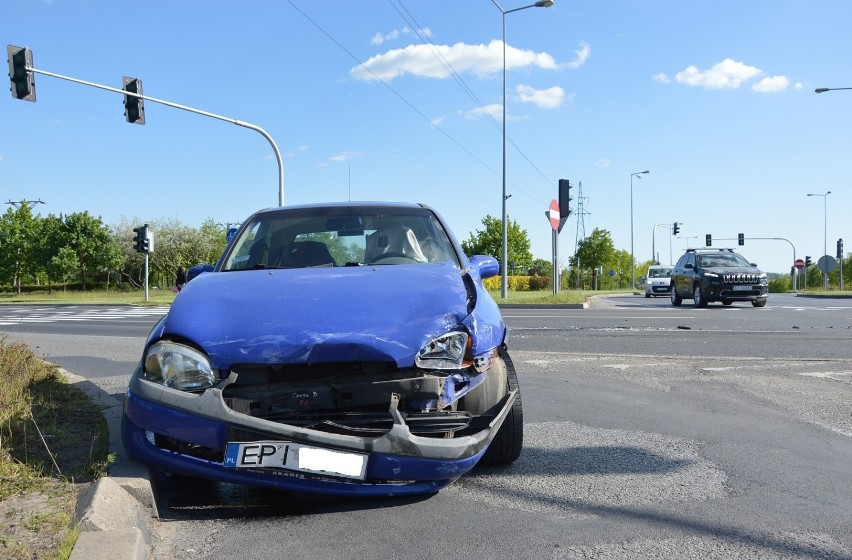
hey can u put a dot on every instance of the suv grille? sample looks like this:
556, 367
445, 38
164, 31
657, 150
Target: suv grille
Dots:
740, 278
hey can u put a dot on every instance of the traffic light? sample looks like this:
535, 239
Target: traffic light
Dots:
808, 262
564, 201
675, 229
840, 248
708, 240
741, 238
140, 240
134, 108
23, 80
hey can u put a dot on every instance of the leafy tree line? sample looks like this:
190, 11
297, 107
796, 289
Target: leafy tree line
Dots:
80, 249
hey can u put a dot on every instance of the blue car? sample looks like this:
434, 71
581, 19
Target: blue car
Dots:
342, 349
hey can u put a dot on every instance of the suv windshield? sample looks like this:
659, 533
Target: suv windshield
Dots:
340, 236
722, 260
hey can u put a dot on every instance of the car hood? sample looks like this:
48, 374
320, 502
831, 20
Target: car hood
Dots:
720, 270
281, 316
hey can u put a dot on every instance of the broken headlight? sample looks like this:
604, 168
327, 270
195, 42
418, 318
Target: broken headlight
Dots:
443, 352
178, 366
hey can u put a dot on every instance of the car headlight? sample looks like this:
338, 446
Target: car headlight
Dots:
444, 352
178, 366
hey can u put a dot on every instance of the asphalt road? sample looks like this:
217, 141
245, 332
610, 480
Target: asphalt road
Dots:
650, 432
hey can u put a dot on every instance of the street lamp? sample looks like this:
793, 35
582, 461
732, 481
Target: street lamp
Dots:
504, 281
825, 234
825, 89
638, 175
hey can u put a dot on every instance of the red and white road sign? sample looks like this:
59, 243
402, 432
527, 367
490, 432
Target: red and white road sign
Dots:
800, 264
553, 215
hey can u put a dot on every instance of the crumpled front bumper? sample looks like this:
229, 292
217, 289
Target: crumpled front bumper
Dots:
398, 461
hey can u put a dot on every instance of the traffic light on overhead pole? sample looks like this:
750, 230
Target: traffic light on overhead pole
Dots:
808, 262
23, 80
564, 201
675, 228
708, 240
134, 108
840, 248
741, 238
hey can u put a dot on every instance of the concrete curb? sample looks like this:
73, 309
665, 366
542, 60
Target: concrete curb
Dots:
115, 513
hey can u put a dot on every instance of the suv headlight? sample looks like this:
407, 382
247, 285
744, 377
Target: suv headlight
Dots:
443, 352
178, 366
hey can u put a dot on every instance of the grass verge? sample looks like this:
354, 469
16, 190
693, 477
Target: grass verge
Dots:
76, 297
53, 441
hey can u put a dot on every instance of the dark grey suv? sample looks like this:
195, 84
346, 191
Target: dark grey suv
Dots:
706, 275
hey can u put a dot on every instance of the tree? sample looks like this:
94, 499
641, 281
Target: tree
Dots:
595, 251
541, 267
18, 236
92, 243
490, 242
63, 266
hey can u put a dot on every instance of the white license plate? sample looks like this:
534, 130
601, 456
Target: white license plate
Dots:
742, 288
295, 457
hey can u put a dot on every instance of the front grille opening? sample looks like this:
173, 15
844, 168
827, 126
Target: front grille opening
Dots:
345, 398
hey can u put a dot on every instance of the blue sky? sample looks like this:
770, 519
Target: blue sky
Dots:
401, 100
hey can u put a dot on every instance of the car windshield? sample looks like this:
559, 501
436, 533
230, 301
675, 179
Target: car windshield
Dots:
659, 272
722, 260
340, 236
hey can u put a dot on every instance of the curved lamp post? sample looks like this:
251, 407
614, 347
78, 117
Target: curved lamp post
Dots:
825, 89
825, 232
504, 282
638, 175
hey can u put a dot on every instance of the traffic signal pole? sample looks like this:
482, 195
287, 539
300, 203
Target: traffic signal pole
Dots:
237, 122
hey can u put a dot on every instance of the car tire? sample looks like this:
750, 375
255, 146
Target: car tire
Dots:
758, 302
506, 446
647, 295
727, 302
698, 296
676, 299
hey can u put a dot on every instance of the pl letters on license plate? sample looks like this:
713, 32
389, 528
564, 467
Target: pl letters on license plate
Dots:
295, 457
742, 288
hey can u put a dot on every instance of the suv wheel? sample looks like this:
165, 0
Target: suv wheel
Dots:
676, 299
698, 297
758, 302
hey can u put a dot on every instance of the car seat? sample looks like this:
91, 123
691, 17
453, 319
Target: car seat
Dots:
302, 254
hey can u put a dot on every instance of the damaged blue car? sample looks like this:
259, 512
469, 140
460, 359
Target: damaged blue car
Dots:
339, 349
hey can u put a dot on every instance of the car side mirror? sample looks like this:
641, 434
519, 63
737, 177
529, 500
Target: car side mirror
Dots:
485, 265
198, 269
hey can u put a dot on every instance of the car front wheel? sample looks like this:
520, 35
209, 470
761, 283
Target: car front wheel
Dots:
506, 446
758, 302
676, 299
698, 296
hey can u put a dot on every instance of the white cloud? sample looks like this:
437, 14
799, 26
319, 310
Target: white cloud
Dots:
343, 156
662, 78
726, 74
495, 110
437, 121
799, 85
771, 84
380, 38
603, 162
549, 98
421, 61
582, 55
1, 159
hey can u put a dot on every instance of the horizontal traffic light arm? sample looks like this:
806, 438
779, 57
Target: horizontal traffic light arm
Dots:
185, 108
